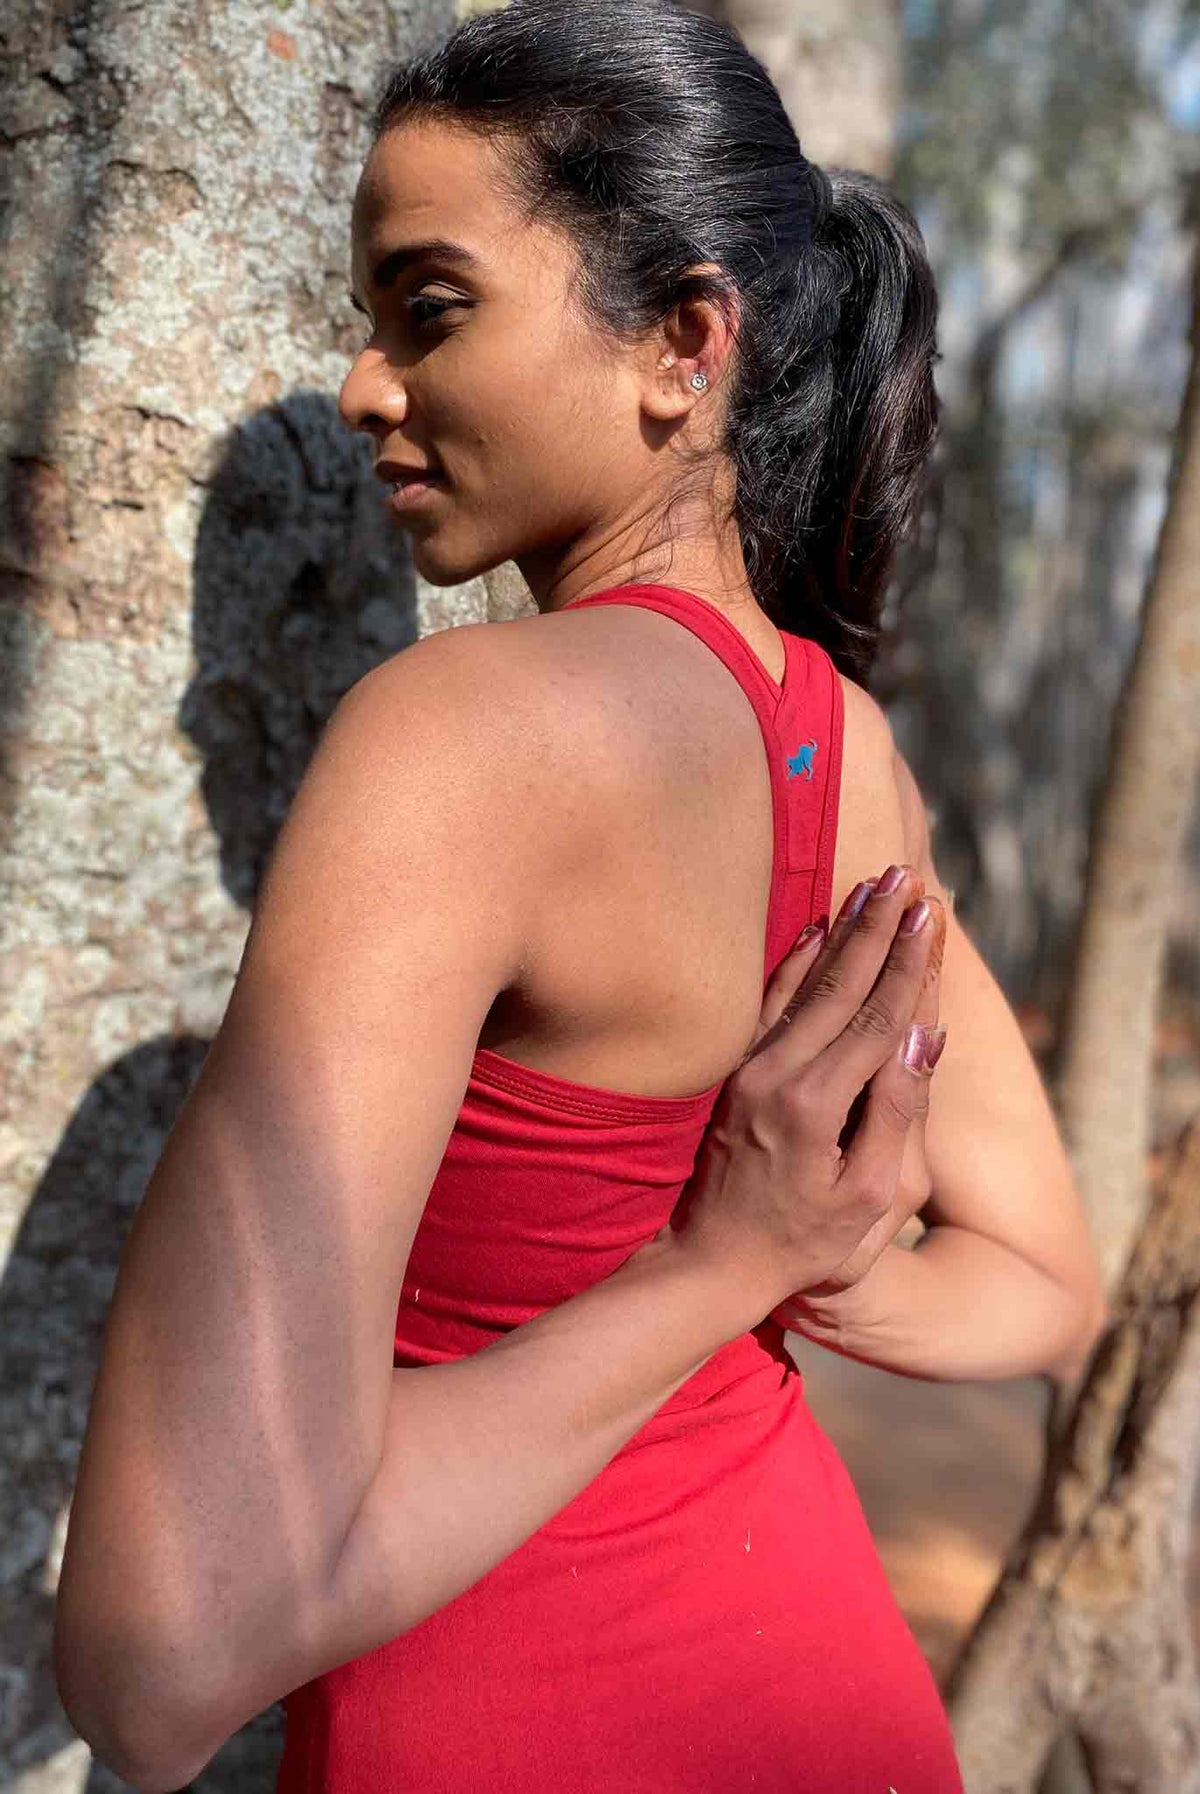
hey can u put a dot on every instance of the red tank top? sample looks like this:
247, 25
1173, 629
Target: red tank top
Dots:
710, 1613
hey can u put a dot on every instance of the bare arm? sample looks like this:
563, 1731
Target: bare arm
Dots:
1006, 1281
477, 1455
246, 1395
262, 1496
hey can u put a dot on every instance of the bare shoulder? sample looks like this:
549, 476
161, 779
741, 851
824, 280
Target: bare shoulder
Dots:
490, 701
540, 671
509, 734
882, 815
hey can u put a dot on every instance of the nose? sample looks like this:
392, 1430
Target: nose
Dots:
372, 397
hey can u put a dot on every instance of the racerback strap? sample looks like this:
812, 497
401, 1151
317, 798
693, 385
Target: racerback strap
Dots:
801, 722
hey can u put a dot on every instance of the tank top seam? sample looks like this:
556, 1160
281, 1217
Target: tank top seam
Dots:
831, 802
592, 1101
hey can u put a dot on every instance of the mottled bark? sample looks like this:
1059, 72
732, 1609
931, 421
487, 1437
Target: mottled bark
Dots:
1089, 1621
194, 565
836, 64
1079, 1644
1140, 826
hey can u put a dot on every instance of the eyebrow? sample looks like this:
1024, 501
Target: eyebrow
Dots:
433, 249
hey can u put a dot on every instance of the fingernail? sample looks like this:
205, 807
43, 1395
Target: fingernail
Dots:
913, 1052
892, 878
809, 937
914, 918
855, 901
935, 1040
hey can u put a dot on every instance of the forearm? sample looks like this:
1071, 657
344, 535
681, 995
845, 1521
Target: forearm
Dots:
957, 1307
483, 1451
478, 1454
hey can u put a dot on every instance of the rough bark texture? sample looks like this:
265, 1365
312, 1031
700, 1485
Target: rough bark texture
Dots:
836, 64
1108, 1056
1102, 1665
1089, 1621
194, 566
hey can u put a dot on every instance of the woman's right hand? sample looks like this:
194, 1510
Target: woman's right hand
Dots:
798, 1185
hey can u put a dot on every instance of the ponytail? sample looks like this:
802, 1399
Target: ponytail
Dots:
835, 420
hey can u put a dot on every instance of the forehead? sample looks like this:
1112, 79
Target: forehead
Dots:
427, 178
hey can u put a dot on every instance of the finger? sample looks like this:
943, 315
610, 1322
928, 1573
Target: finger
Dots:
780, 997
896, 1106
904, 882
874, 1032
846, 973
787, 977
915, 1183
927, 1010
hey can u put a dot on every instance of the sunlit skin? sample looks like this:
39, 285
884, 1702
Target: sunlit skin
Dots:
561, 825
562, 448
560, 445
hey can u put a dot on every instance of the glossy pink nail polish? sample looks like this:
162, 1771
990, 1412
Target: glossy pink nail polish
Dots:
855, 901
914, 918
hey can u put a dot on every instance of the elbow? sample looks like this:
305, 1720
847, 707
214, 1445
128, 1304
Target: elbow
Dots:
1091, 1317
144, 1774
125, 1748
120, 1748
128, 1727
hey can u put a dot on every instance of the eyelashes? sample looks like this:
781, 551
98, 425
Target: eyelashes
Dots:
422, 320
424, 312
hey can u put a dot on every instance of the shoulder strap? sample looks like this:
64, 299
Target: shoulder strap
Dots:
801, 724
810, 726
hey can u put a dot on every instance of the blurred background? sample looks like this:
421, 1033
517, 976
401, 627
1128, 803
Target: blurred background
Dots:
194, 567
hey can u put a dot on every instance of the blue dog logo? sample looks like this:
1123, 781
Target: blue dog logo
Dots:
802, 761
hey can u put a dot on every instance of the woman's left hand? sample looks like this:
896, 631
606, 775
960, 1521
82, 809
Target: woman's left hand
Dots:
784, 995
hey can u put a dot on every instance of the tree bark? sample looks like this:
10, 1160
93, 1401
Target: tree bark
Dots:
836, 64
1107, 1059
1063, 1679
1090, 1620
195, 563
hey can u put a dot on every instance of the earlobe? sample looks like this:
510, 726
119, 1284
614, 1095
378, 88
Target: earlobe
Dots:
671, 395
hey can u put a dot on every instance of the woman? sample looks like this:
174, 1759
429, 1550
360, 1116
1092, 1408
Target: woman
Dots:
534, 904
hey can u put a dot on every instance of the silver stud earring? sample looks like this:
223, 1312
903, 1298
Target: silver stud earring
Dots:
699, 381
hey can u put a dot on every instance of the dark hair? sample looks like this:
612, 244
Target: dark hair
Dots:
655, 138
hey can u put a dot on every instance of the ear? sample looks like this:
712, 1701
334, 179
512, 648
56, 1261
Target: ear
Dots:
696, 336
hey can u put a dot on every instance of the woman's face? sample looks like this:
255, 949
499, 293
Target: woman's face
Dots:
481, 366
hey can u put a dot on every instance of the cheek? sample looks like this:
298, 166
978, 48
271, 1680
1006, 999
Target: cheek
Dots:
538, 426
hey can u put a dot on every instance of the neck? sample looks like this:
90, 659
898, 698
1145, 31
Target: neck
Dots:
706, 574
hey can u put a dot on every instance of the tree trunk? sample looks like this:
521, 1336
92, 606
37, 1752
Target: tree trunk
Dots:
194, 565
1141, 820
1107, 1660
1090, 1619
836, 64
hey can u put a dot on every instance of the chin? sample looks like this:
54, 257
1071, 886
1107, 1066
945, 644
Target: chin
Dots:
438, 565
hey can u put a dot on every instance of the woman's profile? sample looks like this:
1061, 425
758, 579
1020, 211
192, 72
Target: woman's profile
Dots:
543, 1023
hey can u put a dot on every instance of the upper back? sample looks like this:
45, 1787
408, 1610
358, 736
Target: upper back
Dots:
693, 838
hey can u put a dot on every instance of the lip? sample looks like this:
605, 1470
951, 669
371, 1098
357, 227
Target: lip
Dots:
411, 493
409, 487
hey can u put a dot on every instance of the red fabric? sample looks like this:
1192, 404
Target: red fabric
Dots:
710, 1614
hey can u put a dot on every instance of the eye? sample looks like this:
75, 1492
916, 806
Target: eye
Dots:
425, 309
